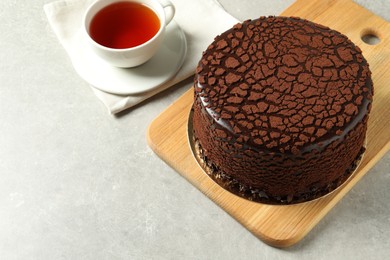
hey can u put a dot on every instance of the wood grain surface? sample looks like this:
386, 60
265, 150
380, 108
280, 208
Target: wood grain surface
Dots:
283, 226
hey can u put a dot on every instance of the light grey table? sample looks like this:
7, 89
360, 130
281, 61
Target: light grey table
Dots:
77, 183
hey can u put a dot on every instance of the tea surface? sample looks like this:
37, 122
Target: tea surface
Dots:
124, 25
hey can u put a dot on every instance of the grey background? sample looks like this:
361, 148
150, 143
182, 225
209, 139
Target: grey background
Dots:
77, 183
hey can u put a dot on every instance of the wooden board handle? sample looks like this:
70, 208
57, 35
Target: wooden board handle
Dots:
352, 19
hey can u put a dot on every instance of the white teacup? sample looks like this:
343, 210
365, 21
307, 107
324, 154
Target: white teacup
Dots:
136, 55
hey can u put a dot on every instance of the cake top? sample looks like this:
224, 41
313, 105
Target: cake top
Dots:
284, 83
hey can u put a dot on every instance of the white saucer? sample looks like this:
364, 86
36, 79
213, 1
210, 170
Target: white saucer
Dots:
163, 65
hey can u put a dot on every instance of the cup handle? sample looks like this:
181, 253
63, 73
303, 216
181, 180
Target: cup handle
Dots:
169, 10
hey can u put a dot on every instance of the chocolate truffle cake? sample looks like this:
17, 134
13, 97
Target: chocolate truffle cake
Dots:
281, 108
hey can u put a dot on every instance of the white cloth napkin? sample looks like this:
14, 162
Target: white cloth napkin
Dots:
201, 21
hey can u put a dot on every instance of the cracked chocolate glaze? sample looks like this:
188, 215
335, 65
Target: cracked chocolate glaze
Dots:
285, 90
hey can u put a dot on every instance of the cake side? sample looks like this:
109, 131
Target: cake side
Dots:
281, 106
274, 177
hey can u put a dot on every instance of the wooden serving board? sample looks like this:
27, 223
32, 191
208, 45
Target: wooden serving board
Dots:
283, 226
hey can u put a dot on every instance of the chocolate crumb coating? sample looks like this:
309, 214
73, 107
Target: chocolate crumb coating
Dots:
281, 106
246, 192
